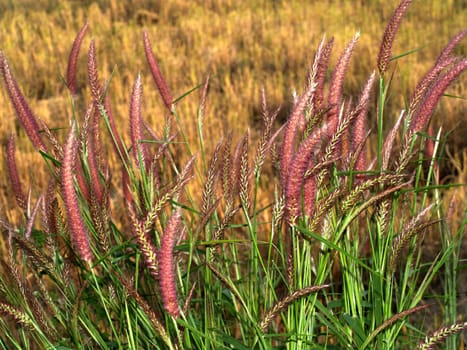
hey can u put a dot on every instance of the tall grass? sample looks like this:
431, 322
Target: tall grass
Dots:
242, 45
332, 259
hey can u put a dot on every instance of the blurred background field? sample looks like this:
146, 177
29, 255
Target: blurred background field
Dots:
244, 45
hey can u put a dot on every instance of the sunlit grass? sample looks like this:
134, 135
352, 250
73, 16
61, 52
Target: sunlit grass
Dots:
208, 244
244, 45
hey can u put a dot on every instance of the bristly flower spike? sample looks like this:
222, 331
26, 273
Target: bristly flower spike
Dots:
336, 85
389, 141
73, 61
422, 117
295, 117
445, 59
360, 126
390, 34
447, 50
136, 124
13, 174
318, 100
23, 111
79, 232
166, 265
156, 73
425, 84
93, 75
293, 189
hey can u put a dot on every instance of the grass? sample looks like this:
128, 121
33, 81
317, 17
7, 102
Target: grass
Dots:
290, 235
243, 46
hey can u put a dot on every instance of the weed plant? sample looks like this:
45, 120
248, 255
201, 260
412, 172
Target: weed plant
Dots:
334, 261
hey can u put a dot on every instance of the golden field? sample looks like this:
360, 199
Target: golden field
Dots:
244, 45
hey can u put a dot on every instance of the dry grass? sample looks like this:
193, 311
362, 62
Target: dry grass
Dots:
244, 45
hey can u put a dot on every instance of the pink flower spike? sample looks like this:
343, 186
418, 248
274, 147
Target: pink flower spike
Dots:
390, 34
73, 61
296, 116
166, 265
79, 232
335, 88
421, 119
23, 111
447, 50
360, 124
93, 75
318, 100
136, 124
295, 180
156, 73
13, 174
